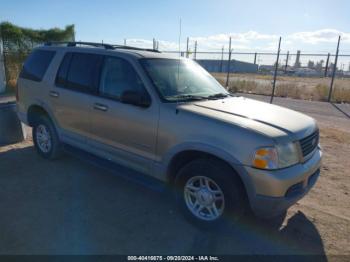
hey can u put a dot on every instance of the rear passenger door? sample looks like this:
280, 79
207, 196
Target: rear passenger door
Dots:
127, 132
75, 85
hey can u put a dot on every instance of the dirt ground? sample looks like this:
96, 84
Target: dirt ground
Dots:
69, 206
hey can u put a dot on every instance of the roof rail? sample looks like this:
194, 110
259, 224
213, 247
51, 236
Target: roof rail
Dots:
135, 48
106, 46
72, 43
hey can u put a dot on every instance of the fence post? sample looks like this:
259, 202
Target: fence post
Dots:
2, 68
195, 50
275, 74
334, 71
255, 58
229, 63
187, 53
285, 67
326, 66
222, 58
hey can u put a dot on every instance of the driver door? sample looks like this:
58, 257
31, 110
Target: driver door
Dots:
125, 133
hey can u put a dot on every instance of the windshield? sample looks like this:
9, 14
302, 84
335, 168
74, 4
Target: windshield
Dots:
181, 80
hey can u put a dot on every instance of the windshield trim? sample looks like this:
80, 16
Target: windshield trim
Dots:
162, 98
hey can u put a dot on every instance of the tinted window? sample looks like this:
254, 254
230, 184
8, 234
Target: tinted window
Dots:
62, 72
118, 76
36, 65
83, 73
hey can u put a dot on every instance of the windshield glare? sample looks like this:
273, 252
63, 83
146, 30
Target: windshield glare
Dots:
180, 79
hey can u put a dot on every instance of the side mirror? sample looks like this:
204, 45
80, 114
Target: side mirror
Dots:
135, 98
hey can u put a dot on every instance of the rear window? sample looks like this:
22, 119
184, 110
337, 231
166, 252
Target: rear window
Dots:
36, 65
80, 72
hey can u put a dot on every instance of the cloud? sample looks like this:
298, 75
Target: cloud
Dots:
320, 36
250, 41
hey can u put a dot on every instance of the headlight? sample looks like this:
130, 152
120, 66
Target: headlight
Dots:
280, 156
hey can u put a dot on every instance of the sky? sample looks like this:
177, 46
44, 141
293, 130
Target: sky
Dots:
310, 26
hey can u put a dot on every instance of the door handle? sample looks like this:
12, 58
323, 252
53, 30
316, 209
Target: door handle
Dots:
54, 94
100, 107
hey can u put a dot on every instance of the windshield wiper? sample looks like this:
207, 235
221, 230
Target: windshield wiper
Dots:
218, 95
188, 97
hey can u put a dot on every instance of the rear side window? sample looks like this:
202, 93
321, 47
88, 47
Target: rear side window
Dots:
36, 65
63, 71
80, 72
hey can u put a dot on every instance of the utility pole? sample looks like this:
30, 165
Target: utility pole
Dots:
229, 63
124, 41
275, 74
334, 71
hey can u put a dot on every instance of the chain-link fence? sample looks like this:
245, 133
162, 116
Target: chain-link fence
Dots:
299, 75
311, 76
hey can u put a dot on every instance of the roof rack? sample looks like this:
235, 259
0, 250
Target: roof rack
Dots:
70, 44
106, 46
135, 48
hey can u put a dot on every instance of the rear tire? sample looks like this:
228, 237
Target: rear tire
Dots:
209, 193
45, 138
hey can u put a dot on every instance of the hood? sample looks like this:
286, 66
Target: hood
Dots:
271, 120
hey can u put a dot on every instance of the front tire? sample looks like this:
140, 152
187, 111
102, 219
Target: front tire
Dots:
45, 138
209, 193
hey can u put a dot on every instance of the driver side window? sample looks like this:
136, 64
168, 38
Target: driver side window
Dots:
118, 76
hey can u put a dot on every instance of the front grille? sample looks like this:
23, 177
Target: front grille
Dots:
309, 143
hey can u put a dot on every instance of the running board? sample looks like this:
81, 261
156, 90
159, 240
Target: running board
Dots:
116, 169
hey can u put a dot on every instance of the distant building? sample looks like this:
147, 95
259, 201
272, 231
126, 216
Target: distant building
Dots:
266, 68
305, 71
297, 60
218, 66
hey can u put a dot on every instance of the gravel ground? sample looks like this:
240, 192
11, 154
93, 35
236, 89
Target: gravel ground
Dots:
71, 207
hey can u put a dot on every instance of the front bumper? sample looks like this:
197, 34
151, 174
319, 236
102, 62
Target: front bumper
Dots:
275, 191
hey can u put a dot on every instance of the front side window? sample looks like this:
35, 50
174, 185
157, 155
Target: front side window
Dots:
80, 72
118, 76
36, 65
180, 79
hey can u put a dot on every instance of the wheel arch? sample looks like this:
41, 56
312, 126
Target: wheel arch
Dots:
34, 111
182, 157
39, 109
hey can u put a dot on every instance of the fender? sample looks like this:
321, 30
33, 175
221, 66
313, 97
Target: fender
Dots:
161, 167
43, 105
